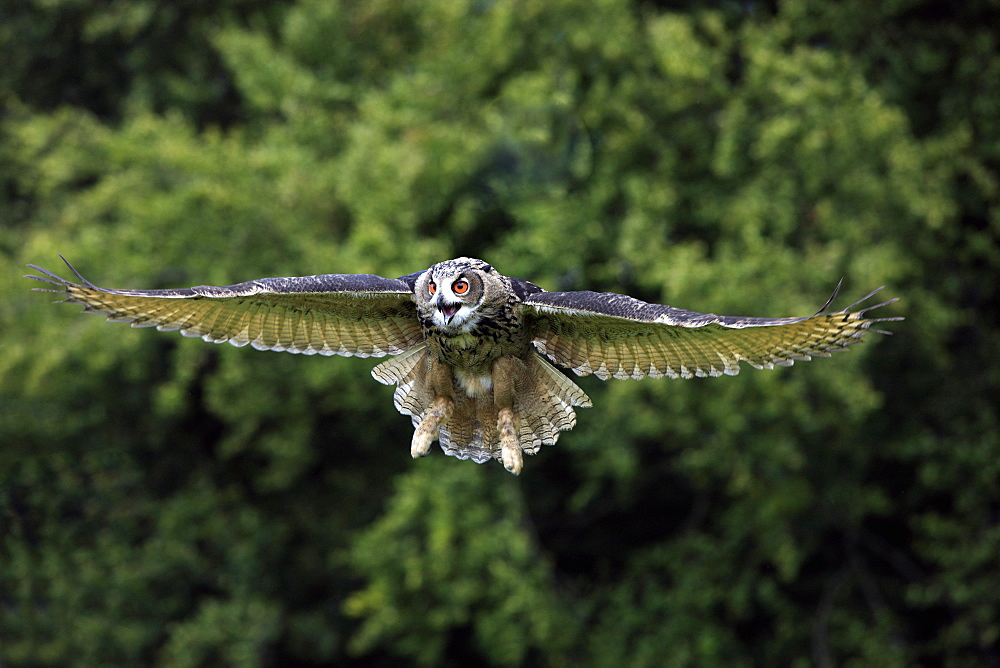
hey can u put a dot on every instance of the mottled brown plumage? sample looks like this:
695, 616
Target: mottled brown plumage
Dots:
472, 347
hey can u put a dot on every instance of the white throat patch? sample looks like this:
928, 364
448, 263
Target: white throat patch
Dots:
463, 319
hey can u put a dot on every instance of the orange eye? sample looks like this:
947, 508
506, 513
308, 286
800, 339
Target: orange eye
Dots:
432, 287
460, 287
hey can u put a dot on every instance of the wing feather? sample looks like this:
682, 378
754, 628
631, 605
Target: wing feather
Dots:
333, 314
612, 335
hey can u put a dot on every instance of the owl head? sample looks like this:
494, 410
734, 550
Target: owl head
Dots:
450, 293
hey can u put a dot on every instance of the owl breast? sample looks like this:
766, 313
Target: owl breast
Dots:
473, 350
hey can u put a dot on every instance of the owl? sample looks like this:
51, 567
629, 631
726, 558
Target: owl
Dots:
473, 350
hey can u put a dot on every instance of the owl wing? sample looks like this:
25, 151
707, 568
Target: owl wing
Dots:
332, 314
612, 335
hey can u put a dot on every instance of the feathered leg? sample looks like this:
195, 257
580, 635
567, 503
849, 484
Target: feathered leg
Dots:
509, 375
442, 389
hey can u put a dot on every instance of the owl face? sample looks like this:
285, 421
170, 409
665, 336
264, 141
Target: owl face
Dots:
451, 292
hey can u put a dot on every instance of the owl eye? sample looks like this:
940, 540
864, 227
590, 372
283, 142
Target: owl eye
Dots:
460, 287
432, 287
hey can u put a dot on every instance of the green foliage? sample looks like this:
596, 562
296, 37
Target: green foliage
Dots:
166, 501
109, 58
434, 569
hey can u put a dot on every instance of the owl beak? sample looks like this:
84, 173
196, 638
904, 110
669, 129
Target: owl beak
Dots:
449, 311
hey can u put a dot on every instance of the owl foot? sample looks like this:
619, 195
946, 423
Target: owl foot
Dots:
512, 459
510, 449
427, 431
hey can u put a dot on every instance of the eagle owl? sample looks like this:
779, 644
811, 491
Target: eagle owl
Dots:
473, 350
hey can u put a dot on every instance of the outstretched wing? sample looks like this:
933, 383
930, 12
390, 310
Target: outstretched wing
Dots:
609, 335
332, 314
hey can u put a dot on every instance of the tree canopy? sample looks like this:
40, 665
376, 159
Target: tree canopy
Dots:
171, 502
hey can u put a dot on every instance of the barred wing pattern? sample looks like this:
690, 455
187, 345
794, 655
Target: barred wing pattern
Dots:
334, 314
612, 335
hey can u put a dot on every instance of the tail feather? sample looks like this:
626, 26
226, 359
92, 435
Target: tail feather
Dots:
471, 432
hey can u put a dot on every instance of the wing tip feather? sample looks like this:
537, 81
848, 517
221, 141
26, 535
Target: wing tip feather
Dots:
829, 301
83, 280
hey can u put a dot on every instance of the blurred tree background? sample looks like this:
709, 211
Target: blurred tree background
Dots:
167, 501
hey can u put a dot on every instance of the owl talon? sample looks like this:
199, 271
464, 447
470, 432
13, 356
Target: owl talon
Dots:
421, 445
510, 449
513, 460
428, 430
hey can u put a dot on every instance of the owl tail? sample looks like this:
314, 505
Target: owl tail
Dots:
544, 407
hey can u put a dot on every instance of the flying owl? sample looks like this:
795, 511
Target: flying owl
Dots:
473, 350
